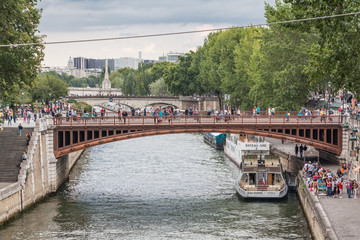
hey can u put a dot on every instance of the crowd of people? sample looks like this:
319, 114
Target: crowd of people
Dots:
320, 179
26, 114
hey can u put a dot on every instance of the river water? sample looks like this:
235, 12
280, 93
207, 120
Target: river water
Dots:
159, 187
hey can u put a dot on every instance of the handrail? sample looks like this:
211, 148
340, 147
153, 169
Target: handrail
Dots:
195, 119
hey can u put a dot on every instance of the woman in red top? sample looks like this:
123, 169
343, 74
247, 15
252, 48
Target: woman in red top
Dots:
340, 189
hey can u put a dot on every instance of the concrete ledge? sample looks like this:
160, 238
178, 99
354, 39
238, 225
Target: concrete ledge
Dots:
9, 190
318, 221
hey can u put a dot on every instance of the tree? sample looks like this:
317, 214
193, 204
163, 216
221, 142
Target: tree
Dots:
182, 78
129, 84
159, 88
48, 83
159, 69
336, 54
19, 65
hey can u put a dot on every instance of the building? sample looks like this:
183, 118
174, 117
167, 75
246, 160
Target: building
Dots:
105, 90
90, 63
171, 57
124, 62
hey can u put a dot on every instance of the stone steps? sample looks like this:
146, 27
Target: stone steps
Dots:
12, 147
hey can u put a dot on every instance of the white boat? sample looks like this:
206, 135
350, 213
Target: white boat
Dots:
260, 173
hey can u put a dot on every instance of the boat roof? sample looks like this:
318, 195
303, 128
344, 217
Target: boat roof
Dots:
216, 134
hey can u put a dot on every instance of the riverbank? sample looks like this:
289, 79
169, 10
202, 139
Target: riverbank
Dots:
40, 175
322, 224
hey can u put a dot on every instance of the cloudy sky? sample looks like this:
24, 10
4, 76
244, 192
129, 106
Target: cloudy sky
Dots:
87, 19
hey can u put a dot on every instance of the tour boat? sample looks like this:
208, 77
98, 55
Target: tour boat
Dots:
215, 140
260, 172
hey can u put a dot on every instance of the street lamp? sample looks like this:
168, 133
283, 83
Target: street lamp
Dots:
329, 92
22, 93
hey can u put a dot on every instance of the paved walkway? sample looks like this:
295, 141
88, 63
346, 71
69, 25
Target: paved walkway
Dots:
343, 213
15, 125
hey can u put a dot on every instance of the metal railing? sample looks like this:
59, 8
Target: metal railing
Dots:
195, 119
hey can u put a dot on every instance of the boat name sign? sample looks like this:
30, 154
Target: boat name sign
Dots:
256, 146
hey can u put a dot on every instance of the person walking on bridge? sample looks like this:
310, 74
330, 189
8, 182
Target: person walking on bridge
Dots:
296, 149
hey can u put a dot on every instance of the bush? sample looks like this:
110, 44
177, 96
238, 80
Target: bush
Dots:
71, 100
88, 108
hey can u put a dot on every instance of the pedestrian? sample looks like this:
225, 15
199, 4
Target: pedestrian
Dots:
301, 150
20, 129
341, 185
355, 186
328, 186
287, 116
296, 149
209, 111
28, 137
349, 188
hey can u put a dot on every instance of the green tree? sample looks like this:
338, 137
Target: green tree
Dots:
159, 69
159, 88
129, 84
182, 78
19, 65
336, 54
46, 84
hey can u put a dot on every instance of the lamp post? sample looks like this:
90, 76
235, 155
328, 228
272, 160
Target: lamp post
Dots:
22, 94
329, 92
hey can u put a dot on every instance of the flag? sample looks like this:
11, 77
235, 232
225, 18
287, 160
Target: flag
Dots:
264, 180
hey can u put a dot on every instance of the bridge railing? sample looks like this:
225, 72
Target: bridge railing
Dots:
195, 119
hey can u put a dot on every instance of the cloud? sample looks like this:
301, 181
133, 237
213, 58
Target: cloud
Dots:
86, 19
70, 15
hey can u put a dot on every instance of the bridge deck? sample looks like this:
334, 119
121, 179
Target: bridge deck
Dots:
200, 120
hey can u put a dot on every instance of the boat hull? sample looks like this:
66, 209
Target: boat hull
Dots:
216, 141
260, 194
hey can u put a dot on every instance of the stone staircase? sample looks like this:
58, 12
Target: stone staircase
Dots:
12, 147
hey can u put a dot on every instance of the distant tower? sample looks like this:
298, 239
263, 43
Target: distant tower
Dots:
140, 57
70, 63
106, 84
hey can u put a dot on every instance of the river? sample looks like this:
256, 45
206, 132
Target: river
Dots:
159, 187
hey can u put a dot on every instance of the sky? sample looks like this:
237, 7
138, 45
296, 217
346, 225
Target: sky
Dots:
86, 19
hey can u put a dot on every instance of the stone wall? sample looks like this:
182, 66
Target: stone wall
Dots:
289, 162
317, 219
39, 176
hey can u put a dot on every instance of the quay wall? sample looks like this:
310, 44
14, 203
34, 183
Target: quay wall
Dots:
40, 175
290, 163
316, 217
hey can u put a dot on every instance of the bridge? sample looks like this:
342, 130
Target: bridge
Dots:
73, 134
182, 102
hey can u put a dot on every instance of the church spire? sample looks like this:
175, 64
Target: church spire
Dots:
106, 84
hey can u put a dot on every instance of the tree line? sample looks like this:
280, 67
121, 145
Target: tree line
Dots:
278, 66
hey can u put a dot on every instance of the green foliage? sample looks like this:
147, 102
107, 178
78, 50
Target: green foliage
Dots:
336, 55
48, 86
81, 106
182, 78
19, 65
159, 88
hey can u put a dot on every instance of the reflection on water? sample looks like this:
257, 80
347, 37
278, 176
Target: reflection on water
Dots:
160, 187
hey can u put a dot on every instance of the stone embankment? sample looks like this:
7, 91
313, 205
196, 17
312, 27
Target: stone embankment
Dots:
40, 175
319, 223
